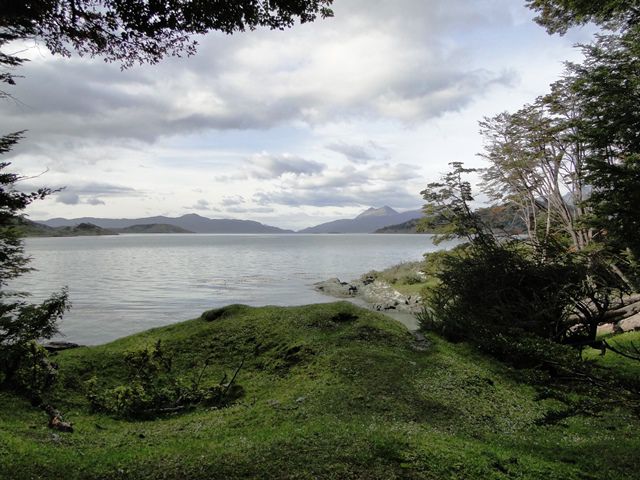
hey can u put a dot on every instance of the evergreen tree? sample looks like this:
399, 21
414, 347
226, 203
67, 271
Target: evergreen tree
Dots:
21, 323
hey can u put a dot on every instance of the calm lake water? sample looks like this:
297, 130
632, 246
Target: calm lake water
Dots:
124, 284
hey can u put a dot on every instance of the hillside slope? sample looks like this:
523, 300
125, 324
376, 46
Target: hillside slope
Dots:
152, 228
190, 222
29, 228
331, 391
367, 222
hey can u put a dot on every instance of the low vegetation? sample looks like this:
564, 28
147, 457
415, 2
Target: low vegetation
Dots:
416, 278
407, 278
328, 391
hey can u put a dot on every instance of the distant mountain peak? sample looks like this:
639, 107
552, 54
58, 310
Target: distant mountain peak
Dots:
378, 212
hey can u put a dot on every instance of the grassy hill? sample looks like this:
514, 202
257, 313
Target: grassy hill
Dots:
331, 391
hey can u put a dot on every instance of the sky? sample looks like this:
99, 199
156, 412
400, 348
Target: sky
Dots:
290, 128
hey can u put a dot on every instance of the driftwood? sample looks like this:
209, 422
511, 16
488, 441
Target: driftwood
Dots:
626, 310
622, 308
56, 421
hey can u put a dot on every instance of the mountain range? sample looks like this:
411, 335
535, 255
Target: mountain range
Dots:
368, 221
190, 222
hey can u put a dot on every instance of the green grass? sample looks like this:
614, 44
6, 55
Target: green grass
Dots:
624, 367
331, 391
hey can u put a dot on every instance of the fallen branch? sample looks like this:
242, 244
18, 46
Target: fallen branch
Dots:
228, 385
632, 356
56, 421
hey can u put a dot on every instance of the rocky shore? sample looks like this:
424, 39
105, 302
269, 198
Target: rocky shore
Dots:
379, 295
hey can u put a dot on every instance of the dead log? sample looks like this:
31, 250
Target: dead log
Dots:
624, 307
56, 421
626, 311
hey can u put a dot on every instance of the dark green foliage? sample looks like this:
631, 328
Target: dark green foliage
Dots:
616, 214
21, 324
559, 15
509, 288
35, 374
144, 31
608, 87
447, 211
153, 389
504, 288
581, 140
12, 259
224, 312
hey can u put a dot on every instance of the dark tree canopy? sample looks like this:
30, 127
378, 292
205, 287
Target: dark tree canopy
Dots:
144, 31
559, 15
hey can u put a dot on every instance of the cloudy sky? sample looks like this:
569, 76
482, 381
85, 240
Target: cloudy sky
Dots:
289, 128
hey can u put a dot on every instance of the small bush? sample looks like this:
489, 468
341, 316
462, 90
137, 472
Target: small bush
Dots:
152, 389
503, 287
35, 374
412, 278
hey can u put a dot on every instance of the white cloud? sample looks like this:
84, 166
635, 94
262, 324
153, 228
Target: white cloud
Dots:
232, 200
320, 120
266, 166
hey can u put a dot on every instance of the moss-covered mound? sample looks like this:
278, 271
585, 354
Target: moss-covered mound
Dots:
330, 391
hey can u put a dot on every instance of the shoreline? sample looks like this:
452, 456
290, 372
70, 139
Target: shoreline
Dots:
375, 295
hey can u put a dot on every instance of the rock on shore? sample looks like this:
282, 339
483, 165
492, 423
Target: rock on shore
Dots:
380, 295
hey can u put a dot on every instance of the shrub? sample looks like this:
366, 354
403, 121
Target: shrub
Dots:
35, 374
152, 388
514, 286
412, 278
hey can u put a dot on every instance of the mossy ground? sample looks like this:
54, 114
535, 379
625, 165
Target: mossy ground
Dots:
331, 391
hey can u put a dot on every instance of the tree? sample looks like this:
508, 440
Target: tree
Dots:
447, 210
607, 86
537, 161
144, 31
557, 16
509, 287
21, 324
